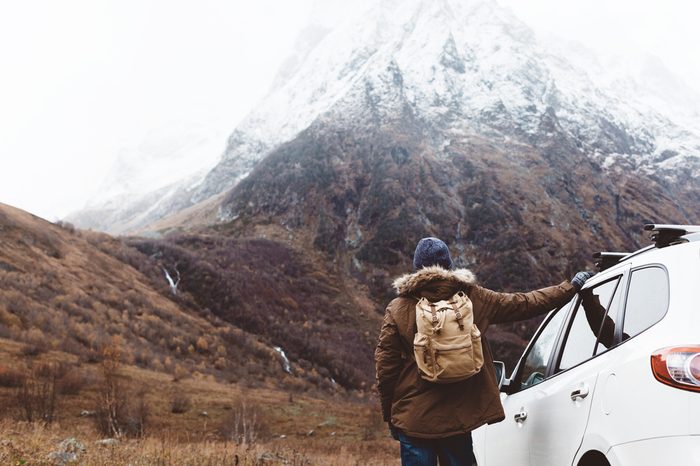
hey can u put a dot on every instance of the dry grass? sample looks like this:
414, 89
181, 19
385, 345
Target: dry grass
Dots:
31, 444
298, 429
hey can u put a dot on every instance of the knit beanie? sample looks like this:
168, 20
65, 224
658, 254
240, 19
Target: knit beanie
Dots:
432, 251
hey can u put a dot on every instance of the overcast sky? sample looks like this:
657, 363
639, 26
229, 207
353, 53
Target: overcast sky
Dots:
83, 81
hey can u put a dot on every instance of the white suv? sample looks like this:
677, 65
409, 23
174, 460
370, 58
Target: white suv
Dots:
613, 377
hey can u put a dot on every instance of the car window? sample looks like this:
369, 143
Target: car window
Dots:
606, 335
535, 363
589, 320
647, 300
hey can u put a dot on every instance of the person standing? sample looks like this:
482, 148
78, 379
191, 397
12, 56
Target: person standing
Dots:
433, 421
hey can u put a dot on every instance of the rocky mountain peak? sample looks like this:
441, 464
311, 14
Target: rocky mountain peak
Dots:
456, 71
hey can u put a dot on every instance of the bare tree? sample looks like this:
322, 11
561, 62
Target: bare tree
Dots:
243, 425
119, 411
36, 396
111, 396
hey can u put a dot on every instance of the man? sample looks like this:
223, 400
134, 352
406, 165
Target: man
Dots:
434, 421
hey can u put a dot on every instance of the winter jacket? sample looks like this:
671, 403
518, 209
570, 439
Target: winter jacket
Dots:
428, 410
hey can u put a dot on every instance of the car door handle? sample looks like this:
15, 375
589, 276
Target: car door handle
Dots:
521, 416
580, 393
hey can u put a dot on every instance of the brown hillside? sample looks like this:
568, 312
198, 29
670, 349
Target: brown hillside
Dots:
68, 290
284, 296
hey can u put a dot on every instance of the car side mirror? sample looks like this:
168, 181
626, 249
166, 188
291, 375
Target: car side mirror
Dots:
504, 384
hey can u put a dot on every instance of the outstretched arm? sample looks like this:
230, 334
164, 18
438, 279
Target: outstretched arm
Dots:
511, 307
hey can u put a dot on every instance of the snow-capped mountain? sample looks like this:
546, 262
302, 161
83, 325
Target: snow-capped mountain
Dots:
477, 66
464, 70
451, 119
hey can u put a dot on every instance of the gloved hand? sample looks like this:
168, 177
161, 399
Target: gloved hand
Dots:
580, 278
393, 431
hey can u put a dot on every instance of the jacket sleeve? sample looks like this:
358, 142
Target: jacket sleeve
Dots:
511, 307
389, 362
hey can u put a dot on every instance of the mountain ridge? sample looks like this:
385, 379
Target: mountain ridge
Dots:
476, 67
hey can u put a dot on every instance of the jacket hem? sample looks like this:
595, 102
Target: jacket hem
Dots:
489, 420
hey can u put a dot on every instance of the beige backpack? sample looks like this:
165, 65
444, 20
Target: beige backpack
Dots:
447, 345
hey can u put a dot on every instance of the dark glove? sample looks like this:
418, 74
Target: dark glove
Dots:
580, 278
394, 431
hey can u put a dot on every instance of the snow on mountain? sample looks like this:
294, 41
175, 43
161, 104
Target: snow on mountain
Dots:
477, 65
466, 68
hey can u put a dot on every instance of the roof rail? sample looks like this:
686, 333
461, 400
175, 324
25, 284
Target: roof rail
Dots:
605, 260
667, 235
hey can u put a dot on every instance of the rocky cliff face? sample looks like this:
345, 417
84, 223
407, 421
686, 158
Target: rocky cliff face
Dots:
451, 120
470, 69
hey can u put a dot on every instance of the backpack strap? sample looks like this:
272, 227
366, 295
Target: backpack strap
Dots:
433, 311
458, 314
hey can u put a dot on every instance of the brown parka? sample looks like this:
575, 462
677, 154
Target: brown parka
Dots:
428, 410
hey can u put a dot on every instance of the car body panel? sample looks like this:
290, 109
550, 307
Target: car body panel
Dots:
552, 411
681, 450
516, 449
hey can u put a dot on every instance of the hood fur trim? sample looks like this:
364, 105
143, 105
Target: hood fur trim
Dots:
411, 282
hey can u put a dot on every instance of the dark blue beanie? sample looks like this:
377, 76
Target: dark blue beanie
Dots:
431, 251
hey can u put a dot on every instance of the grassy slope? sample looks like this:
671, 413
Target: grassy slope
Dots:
347, 431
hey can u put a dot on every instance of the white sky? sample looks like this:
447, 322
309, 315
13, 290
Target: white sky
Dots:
81, 80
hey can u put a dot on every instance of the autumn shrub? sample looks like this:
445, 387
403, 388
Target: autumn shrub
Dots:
72, 382
69, 227
374, 424
180, 404
11, 378
34, 349
90, 356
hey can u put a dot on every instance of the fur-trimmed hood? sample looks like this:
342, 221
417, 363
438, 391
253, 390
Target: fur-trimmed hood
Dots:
411, 282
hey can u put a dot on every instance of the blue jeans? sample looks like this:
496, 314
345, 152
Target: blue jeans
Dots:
451, 451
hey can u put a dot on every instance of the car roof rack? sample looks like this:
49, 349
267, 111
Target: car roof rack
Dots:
668, 235
605, 260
